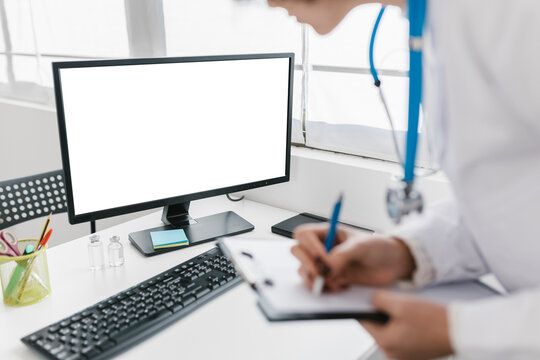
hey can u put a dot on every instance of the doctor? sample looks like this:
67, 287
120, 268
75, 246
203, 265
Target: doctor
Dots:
482, 93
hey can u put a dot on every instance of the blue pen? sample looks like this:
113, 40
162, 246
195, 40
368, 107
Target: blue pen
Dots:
329, 242
318, 284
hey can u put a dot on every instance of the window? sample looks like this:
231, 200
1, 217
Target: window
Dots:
210, 27
336, 107
40, 32
345, 113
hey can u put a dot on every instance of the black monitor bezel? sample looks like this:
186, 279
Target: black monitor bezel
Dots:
101, 214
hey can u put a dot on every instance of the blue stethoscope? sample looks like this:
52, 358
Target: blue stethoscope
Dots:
401, 198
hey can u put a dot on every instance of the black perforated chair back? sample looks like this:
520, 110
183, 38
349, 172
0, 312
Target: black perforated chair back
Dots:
31, 197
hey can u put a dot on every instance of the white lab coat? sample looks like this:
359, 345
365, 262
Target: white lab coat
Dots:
482, 93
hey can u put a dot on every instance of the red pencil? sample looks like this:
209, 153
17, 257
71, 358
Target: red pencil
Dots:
45, 239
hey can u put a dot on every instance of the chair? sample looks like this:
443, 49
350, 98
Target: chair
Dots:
32, 197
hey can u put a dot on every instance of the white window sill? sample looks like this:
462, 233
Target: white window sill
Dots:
389, 167
27, 104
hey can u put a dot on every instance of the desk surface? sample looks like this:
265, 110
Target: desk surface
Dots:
229, 327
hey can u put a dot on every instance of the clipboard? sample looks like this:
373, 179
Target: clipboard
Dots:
268, 266
270, 269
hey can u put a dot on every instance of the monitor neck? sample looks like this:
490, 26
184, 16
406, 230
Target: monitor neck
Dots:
176, 215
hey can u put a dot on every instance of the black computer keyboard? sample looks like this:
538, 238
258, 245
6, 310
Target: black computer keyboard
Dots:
119, 322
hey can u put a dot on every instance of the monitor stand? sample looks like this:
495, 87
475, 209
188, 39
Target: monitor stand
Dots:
198, 231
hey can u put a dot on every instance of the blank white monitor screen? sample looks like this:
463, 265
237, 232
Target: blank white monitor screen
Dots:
144, 132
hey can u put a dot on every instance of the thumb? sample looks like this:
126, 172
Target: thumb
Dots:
339, 261
345, 253
386, 301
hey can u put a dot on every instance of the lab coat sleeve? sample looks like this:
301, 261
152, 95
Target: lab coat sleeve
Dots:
442, 246
503, 328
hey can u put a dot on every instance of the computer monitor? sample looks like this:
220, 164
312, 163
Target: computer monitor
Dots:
137, 134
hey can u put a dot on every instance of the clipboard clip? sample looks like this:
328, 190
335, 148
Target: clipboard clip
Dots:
258, 269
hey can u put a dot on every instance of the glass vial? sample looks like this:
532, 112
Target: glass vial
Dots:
95, 253
116, 251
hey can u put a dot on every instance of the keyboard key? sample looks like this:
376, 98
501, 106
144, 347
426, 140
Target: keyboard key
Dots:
106, 344
62, 355
180, 291
90, 351
74, 357
200, 293
188, 299
75, 341
54, 328
190, 286
57, 348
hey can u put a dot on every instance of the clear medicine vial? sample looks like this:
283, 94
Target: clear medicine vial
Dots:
116, 251
95, 253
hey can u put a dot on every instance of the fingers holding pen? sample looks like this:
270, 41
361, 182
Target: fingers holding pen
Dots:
311, 268
308, 267
311, 252
310, 240
307, 277
321, 230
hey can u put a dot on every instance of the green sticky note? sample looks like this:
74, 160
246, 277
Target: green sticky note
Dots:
169, 238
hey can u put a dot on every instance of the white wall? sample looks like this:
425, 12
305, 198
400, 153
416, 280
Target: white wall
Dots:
29, 140
29, 145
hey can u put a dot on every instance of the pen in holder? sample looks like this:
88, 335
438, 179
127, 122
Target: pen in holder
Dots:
25, 279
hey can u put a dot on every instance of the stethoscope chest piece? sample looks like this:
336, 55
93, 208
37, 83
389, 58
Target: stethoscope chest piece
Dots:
402, 199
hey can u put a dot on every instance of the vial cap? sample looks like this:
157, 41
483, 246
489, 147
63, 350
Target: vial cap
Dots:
94, 238
115, 238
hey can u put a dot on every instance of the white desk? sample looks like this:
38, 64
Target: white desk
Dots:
229, 327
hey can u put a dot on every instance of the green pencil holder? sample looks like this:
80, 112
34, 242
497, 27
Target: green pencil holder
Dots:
25, 279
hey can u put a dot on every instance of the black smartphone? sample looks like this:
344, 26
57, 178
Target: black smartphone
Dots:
286, 227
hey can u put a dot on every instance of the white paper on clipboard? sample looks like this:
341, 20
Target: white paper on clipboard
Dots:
270, 266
